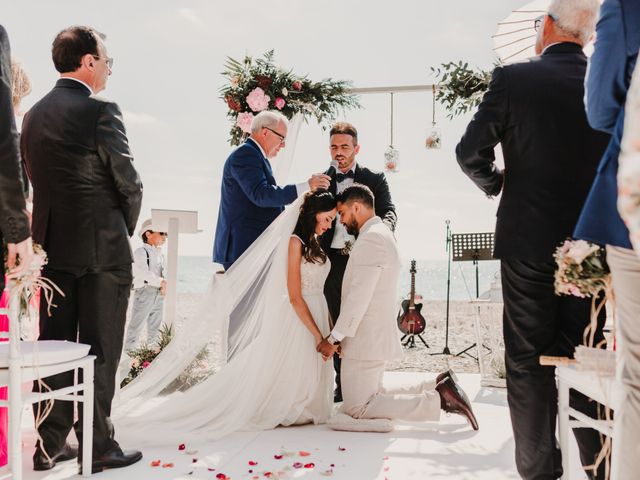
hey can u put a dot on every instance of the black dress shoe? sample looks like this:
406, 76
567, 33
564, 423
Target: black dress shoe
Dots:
41, 463
454, 400
114, 458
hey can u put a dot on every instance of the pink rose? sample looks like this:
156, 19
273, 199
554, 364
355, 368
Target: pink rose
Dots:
280, 103
244, 121
145, 364
258, 100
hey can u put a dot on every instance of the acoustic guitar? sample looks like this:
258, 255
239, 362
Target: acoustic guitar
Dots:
411, 321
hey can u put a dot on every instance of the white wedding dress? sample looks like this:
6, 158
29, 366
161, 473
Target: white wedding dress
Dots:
263, 368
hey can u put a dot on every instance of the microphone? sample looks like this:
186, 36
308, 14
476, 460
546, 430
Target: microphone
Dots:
333, 168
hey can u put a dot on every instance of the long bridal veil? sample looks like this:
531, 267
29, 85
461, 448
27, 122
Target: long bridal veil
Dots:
242, 308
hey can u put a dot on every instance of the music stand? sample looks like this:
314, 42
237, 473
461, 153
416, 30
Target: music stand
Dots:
473, 247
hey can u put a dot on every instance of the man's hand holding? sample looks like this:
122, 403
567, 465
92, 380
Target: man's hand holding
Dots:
326, 349
319, 181
19, 257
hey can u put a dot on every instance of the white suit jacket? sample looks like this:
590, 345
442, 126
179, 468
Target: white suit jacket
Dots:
369, 309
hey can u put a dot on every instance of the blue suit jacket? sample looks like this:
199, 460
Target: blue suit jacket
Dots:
249, 202
607, 82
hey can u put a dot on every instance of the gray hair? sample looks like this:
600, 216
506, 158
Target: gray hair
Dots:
268, 119
576, 18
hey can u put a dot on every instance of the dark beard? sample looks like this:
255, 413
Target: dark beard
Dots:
352, 228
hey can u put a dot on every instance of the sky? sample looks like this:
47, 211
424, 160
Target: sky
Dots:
166, 78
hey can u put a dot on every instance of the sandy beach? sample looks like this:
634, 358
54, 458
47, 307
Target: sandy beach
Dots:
461, 335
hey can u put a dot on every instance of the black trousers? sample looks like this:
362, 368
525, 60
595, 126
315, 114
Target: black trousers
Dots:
538, 322
93, 311
333, 295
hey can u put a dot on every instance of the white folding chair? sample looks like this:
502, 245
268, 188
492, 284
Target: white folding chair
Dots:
23, 361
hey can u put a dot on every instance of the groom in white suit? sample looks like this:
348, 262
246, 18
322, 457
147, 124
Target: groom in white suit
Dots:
366, 328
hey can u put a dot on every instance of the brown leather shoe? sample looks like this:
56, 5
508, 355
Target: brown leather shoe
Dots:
41, 463
454, 400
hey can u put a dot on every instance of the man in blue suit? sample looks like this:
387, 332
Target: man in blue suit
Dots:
607, 83
250, 198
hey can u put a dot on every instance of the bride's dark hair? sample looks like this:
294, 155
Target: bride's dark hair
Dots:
314, 202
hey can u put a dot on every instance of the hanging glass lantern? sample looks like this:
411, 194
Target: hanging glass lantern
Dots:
391, 155
434, 135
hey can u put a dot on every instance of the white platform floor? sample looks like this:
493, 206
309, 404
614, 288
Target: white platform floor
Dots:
447, 450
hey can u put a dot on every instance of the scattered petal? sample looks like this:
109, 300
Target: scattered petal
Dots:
222, 476
302, 453
278, 457
211, 469
156, 463
250, 471
332, 465
342, 449
310, 465
167, 465
386, 469
194, 460
268, 474
182, 447
297, 465
253, 463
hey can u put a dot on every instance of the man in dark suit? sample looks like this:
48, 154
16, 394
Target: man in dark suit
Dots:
534, 110
14, 222
86, 201
337, 242
250, 199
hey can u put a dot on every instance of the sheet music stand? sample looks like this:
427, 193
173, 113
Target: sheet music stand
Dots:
473, 247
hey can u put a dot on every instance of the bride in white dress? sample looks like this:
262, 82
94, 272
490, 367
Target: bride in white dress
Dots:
272, 298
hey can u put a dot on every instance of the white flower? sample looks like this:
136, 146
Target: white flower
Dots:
285, 92
580, 250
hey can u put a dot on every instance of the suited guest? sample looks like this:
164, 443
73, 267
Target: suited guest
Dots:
86, 202
250, 199
14, 221
534, 110
607, 83
337, 242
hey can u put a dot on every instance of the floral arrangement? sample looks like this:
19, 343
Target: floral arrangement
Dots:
582, 270
255, 85
142, 357
26, 284
459, 88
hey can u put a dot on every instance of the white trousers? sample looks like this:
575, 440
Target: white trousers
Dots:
625, 273
365, 397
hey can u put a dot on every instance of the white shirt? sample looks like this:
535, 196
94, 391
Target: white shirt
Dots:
80, 81
300, 187
148, 266
340, 235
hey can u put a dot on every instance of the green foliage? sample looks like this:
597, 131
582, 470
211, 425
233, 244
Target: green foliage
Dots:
324, 100
460, 88
142, 356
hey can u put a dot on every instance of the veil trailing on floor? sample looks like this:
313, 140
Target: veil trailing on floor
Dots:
241, 308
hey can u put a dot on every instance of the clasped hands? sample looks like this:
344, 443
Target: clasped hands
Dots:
327, 350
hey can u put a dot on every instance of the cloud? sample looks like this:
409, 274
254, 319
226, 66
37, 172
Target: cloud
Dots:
139, 118
191, 15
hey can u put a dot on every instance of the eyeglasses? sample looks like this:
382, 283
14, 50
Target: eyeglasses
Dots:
107, 60
537, 23
280, 136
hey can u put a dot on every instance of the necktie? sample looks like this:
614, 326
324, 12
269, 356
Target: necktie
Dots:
340, 177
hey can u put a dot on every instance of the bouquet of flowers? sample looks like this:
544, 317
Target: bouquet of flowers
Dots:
142, 357
257, 84
26, 285
582, 270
